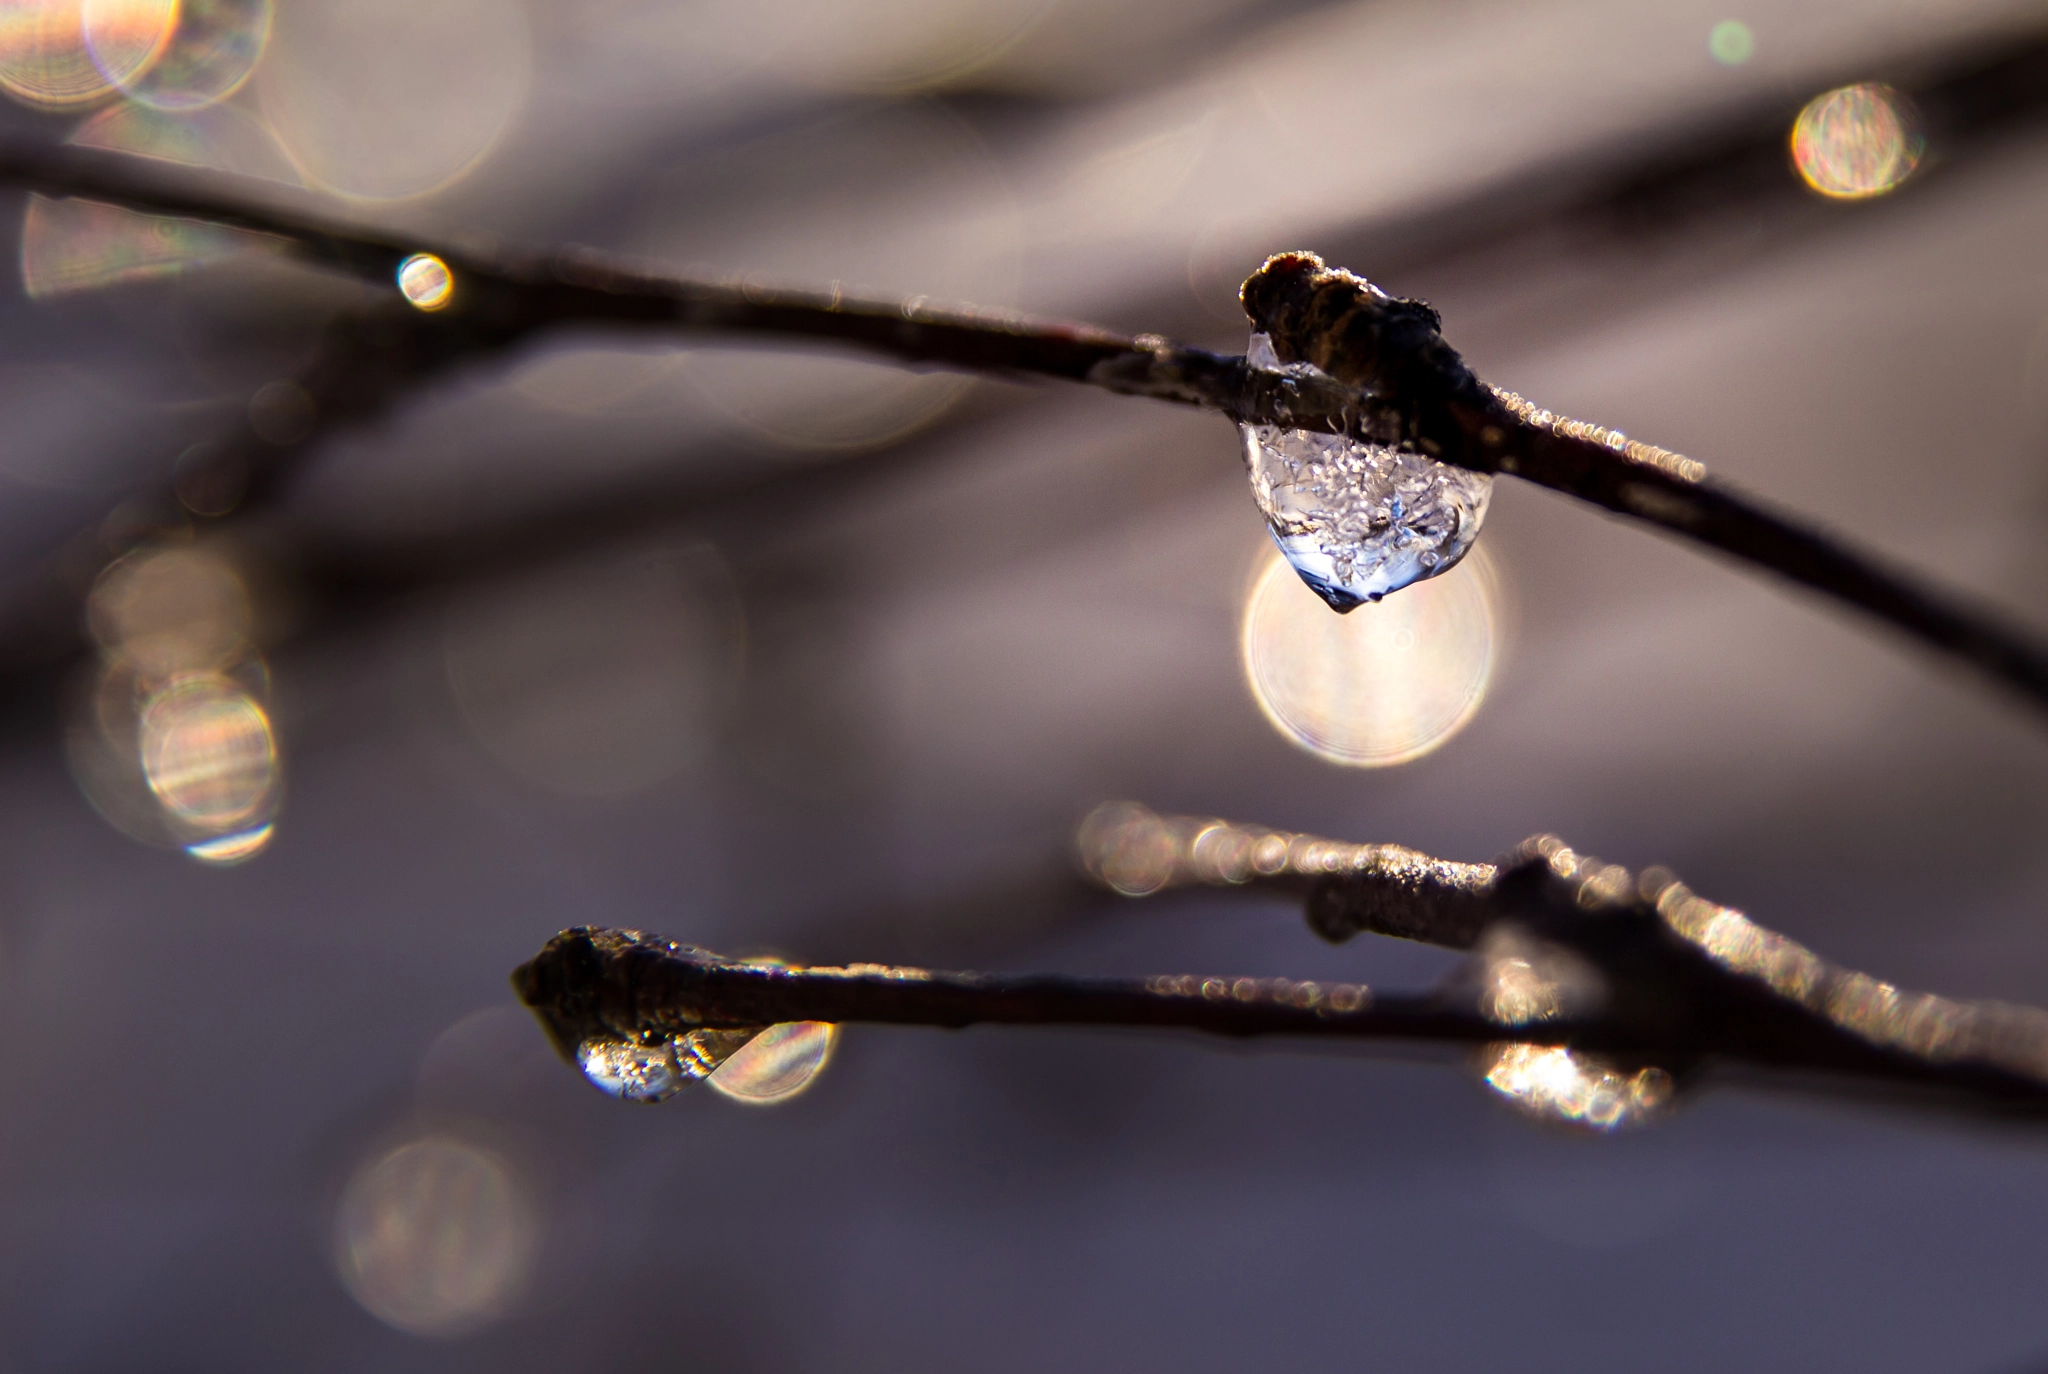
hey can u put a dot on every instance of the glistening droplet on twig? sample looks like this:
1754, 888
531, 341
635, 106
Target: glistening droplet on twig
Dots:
656, 1070
1358, 520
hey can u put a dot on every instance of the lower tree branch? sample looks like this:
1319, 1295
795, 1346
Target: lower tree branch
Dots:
595, 984
1668, 971
1566, 951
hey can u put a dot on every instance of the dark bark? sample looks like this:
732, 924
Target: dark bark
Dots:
1569, 951
1385, 375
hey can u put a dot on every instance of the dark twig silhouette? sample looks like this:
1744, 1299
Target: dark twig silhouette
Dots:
1634, 970
1380, 372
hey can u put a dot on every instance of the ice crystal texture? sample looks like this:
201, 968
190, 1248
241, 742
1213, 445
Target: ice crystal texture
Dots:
1357, 520
655, 1070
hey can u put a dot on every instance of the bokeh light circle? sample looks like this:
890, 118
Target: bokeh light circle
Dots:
1731, 42
168, 611
172, 744
1856, 142
45, 60
391, 99
72, 244
437, 1237
210, 758
425, 281
212, 50
1387, 683
125, 38
778, 1063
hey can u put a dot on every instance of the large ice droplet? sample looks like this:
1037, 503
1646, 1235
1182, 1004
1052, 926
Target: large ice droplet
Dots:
1357, 520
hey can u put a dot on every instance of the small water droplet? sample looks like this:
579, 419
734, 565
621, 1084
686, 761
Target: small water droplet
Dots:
780, 1062
1358, 520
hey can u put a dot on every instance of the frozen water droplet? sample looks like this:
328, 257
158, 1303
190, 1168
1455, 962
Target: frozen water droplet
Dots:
641, 1072
633, 1072
1357, 520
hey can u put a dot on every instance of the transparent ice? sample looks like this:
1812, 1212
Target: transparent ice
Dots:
1357, 520
641, 1072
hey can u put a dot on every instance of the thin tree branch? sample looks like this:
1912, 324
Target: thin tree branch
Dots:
1567, 951
594, 984
1340, 323
1378, 370
1703, 978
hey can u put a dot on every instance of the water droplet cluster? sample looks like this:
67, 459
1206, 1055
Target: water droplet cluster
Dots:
656, 1069
753, 1064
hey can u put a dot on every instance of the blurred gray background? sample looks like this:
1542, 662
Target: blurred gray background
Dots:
799, 655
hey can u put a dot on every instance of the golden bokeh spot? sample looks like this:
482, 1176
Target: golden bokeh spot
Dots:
170, 611
55, 54
437, 1237
213, 48
426, 281
1128, 848
172, 744
1389, 682
392, 99
124, 38
1856, 142
210, 758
